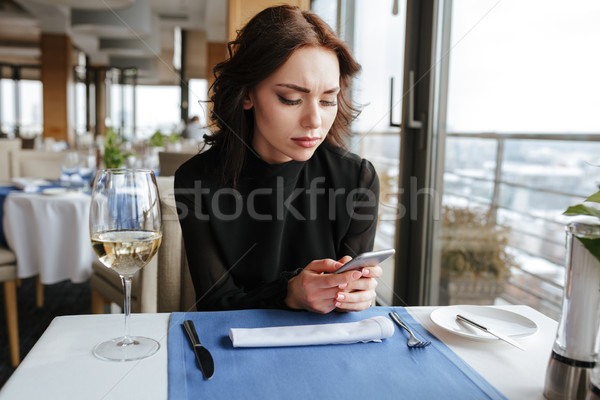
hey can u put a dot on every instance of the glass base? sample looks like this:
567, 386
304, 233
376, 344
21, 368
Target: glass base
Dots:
126, 348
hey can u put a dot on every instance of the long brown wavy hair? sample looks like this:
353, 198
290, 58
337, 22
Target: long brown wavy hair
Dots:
260, 48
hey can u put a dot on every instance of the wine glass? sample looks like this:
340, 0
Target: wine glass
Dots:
69, 166
86, 169
126, 231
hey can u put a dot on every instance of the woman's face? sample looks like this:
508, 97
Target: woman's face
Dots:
295, 106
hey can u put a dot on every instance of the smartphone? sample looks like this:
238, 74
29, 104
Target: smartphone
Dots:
368, 259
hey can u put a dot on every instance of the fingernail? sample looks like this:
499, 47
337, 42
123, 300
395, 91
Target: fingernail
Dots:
356, 274
337, 304
366, 271
343, 285
340, 296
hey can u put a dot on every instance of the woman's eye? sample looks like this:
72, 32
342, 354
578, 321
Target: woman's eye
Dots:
288, 101
328, 103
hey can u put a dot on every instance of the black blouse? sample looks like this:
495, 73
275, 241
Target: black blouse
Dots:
244, 244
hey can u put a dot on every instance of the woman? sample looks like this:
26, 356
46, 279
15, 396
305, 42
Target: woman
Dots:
275, 201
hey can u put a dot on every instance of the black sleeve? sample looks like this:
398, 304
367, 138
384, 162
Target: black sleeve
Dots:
360, 235
214, 285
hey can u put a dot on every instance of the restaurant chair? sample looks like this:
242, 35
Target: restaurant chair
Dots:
164, 285
169, 161
28, 143
36, 164
193, 146
6, 147
8, 275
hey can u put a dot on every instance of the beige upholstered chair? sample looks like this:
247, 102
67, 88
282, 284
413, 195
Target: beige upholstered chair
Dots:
193, 146
36, 164
170, 161
164, 285
8, 275
6, 147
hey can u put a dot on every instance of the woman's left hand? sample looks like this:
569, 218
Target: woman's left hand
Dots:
359, 294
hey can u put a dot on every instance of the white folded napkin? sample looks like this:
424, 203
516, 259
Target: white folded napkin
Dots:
29, 185
368, 330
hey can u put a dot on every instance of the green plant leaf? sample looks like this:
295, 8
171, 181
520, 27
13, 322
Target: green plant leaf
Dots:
157, 139
592, 245
595, 198
112, 157
173, 138
581, 209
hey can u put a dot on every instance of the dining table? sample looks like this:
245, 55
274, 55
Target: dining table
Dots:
48, 230
61, 364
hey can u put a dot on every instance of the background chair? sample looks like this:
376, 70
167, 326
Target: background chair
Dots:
6, 147
164, 285
36, 164
170, 161
8, 275
193, 146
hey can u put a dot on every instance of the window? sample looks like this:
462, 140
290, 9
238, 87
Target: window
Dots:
157, 107
80, 108
375, 33
21, 110
522, 141
120, 86
537, 76
198, 89
30, 107
7, 106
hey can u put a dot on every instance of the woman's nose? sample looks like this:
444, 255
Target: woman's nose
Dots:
312, 116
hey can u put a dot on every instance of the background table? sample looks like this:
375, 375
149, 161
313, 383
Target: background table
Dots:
49, 235
61, 364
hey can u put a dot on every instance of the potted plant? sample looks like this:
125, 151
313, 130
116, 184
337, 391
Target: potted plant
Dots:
475, 264
174, 142
157, 139
113, 156
590, 207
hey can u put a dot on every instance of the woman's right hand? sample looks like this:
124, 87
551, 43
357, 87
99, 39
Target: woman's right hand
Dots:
316, 287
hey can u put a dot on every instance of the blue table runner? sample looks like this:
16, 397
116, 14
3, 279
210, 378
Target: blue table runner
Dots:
386, 370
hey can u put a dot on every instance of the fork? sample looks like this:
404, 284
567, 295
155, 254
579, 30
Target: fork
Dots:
412, 341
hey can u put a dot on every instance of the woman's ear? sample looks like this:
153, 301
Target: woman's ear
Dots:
248, 104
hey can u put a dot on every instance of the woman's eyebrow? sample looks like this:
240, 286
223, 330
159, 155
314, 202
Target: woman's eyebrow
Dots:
305, 90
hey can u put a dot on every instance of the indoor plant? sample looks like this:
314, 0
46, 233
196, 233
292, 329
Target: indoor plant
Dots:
475, 264
113, 156
157, 139
161, 141
592, 208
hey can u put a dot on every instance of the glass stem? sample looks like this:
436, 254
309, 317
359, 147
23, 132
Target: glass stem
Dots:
127, 308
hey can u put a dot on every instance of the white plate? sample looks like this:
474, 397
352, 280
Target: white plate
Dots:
58, 192
502, 321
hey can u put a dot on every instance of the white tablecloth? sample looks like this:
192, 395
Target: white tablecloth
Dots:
49, 235
517, 374
61, 364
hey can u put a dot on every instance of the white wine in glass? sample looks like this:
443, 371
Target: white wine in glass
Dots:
126, 231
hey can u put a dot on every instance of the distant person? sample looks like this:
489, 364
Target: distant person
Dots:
194, 130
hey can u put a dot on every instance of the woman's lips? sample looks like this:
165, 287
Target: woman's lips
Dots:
307, 142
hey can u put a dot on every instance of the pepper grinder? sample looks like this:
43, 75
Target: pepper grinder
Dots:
575, 349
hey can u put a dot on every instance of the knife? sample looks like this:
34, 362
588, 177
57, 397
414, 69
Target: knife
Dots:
483, 328
205, 360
